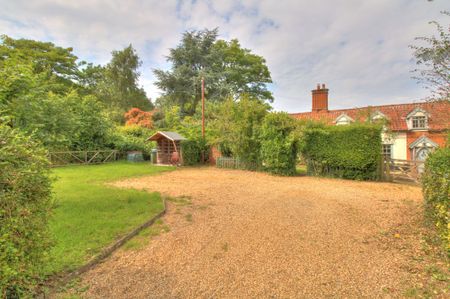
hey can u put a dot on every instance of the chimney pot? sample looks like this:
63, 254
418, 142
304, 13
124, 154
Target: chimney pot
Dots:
323, 86
318, 86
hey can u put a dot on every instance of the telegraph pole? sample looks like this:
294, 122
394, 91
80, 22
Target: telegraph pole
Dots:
203, 107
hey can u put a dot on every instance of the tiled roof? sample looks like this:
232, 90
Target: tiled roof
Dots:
169, 135
439, 114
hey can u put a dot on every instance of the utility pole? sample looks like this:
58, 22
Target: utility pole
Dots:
203, 107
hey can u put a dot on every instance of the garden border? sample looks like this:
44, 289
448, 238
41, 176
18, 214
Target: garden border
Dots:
108, 250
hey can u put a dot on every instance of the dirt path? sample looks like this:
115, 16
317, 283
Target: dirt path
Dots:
250, 234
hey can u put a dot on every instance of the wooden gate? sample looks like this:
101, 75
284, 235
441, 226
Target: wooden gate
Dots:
402, 170
82, 157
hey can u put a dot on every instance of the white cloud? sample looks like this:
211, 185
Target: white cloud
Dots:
358, 48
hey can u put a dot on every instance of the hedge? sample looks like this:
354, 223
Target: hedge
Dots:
193, 150
278, 144
436, 191
351, 151
25, 202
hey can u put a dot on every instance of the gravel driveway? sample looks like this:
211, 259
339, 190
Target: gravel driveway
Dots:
248, 234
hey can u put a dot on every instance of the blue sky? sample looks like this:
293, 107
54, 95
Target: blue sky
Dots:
359, 49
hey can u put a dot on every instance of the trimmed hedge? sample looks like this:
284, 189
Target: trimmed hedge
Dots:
350, 151
25, 202
278, 144
192, 151
436, 191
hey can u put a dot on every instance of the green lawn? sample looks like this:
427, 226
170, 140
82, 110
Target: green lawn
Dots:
89, 215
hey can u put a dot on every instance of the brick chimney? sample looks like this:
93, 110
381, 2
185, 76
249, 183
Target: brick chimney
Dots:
320, 99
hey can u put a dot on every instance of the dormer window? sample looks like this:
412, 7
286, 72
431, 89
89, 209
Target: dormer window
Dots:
419, 122
343, 119
417, 119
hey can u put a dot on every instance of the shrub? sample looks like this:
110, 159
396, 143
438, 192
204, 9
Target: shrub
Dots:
351, 151
133, 138
193, 150
436, 191
24, 211
278, 144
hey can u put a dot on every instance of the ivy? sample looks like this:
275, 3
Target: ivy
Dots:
351, 151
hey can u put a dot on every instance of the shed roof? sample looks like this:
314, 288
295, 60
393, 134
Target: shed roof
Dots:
165, 134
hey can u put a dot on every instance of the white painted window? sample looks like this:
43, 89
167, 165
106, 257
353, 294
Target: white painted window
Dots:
419, 122
387, 151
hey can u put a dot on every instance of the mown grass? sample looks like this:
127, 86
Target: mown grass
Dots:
90, 215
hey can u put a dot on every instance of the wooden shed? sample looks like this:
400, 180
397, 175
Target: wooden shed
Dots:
168, 147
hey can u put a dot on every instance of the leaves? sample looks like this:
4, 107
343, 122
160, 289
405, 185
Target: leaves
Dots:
228, 70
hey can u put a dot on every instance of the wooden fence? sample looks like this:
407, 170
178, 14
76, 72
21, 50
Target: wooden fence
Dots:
82, 157
235, 163
402, 170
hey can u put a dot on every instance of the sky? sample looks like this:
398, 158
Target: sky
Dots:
358, 48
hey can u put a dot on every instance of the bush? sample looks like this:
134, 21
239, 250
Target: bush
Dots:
351, 151
436, 191
193, 150
25, 201
278, 144
133, 138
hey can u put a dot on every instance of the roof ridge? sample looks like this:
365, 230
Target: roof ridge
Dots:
370, 106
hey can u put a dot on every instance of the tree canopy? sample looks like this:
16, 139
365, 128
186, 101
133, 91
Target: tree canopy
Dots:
433, 62
228, 69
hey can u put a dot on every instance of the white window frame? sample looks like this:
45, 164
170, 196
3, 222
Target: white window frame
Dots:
391, 150
411, 119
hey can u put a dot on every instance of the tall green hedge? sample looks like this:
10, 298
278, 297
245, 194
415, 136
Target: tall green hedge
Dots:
24, 211
193, 150
278, 144
436, 191
351, 151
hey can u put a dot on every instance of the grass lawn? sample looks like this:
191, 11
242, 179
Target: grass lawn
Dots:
90, 215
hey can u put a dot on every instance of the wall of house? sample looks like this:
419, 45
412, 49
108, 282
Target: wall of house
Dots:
438, 137
399, 144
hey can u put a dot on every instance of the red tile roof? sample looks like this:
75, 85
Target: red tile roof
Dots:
439, 114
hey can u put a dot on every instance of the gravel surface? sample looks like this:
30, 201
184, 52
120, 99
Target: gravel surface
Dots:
248, 234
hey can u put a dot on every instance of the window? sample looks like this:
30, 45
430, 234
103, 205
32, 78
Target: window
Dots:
419, 122
387, 151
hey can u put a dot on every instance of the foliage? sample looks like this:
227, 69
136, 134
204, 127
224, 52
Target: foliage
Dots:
133, 138
194, 150
436, 190
55, 63
350, 151
279, 144
433, 60
237, 128
24, 212
91, 214
136, 116
228, 70
118, 86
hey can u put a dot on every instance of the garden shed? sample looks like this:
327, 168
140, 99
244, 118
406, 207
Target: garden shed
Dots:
168, 147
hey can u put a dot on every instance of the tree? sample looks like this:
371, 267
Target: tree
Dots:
136, 116
237, 128
56, 63
433, 60
228, 70
118, 86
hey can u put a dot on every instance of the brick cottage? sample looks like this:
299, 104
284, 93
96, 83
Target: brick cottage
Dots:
412, 130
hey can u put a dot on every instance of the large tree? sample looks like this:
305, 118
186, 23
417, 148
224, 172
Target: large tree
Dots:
433, 62
228, 69
57, 65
